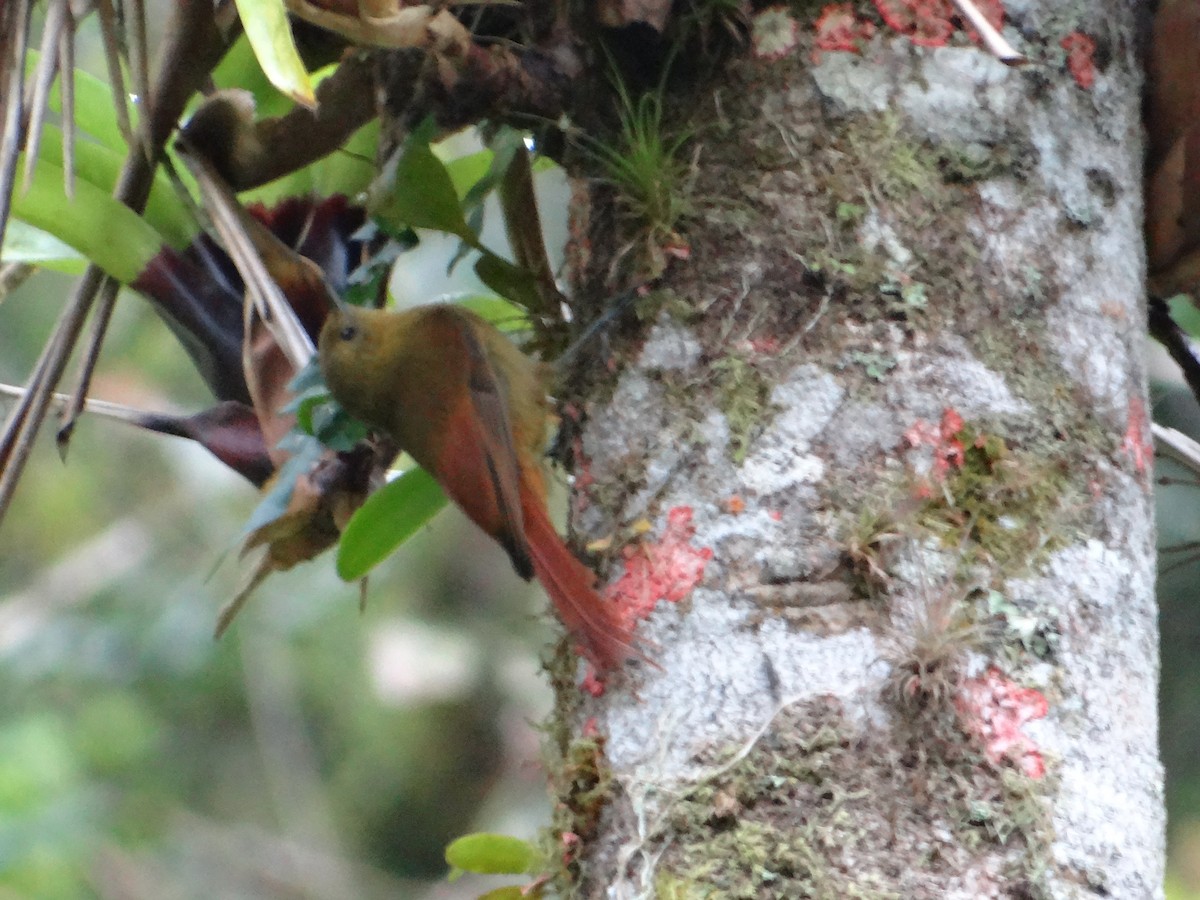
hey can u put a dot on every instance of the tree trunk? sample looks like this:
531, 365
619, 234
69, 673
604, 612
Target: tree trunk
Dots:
897, 392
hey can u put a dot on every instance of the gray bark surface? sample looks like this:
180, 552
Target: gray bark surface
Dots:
847, 704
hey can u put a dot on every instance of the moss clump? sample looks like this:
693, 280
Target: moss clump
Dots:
752, 846
998, 503
820, 808
582, 782
743, 395
576, 768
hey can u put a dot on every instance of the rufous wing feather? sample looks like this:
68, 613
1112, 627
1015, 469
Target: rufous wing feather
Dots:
494, 434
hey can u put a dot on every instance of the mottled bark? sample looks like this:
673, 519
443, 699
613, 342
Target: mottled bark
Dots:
850, 701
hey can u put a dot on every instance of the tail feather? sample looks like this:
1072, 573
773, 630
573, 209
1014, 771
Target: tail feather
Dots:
606, 640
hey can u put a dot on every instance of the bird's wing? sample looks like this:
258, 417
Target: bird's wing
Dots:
489, 399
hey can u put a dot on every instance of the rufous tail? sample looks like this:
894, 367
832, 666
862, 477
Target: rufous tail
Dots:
605, 639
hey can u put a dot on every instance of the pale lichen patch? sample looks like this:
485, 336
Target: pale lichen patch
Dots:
780, 458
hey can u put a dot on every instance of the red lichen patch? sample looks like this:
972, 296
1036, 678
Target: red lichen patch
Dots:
929, 23
773, 33
993, 11
994, 709
925, 22
948, 449
667, 570
839, 29
570, 848
1081, 51
735, 505
766, 345
1137, 444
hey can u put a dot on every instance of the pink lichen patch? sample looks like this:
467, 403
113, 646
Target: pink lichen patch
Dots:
678, 248
839, 29
994, 709
583, 478
948, 449
1137, 443
593, 682
773, 33
1081, 63
667, 570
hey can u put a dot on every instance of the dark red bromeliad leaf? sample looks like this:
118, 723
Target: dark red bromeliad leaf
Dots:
229, 431
199, 293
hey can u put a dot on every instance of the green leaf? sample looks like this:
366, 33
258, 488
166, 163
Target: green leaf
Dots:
334, 427
104, 230
390, 516
504, 146
101, 167
275, 501
504, 315
94, 112
239, 68
508, 280
512, 892
308, 378
267, 29
499, 157
493, 854
25, 244
468, 170
1185, 314
415, 189
369, 281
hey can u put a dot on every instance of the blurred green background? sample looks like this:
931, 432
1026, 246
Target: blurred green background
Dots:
313, 751
1178, 510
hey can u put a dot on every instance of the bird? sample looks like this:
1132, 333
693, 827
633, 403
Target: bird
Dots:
450, 389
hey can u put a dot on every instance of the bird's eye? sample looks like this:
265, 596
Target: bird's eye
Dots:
348, 333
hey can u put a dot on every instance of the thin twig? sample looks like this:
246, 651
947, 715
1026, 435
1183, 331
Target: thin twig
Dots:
1176, 445
23, 423
107, 409
39, 89
106, 300
193, 45
112, 60
135, 13
1165, 330
15, 20
66, 81
232, 222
